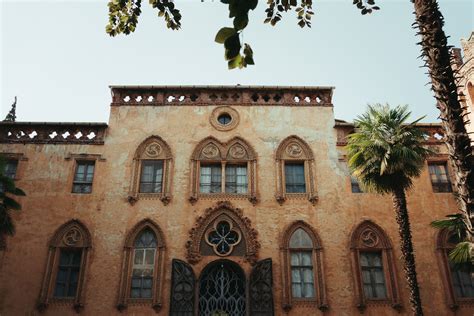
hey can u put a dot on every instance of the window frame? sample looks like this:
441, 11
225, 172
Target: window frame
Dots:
319, 286
236, 152
86, 162
156, 300
295, 150
443, 247
381, 245
80, 241
448, 177
140, 182
153, 148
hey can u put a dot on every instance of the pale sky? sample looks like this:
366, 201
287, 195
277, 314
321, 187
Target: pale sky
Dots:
57, 58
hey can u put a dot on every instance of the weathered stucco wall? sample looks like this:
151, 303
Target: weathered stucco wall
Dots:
47, 178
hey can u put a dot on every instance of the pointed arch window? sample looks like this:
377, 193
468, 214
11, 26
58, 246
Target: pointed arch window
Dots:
373, 267
66, 267
295, 170
143, 267
302, 268
458, 283
223, 170
152, 166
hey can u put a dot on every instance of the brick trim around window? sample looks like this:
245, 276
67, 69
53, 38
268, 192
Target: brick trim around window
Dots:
369, 237
72, 235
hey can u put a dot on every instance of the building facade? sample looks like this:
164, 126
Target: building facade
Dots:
214, 200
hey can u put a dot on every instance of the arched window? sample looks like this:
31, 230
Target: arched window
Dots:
458, 283
143, 267
151, 171
302, 268
373, 267
223, 170
66, 267
295, 174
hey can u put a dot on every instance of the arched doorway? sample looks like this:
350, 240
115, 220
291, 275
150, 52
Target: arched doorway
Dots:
222, 290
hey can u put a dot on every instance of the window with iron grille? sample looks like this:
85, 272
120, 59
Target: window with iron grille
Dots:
211, 178
295, 178
236, 179
151, 178
68, 273
143, 265
373, 278
83, 177
355, 187
439, 177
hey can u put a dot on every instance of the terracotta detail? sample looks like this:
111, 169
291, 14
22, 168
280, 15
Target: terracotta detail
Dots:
236, 150
211, 214
72, 234
368, 236
156, 301
235, 118
320, 300
293, 148
152, 148
52, 133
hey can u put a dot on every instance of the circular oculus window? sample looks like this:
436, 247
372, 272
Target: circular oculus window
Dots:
224, 118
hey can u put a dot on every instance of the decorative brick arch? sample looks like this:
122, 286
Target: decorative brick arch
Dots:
294, 149
71, 235
156, 301
320, 299
222, 211
152, 148
370, 237
236, 150
443, 247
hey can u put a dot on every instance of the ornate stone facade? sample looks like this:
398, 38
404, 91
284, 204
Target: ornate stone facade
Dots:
244, 225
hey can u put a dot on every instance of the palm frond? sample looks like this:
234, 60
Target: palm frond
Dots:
462, 253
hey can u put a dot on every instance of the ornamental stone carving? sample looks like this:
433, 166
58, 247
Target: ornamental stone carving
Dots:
294, 150
240, 232
210, 151
72, 237
237, 152
153, 150
369, 238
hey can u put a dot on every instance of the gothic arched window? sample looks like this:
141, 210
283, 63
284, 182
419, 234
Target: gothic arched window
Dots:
373, 267
143, 267
68, 255
223, 170
303, 275
295, 174
151, 171
458, 283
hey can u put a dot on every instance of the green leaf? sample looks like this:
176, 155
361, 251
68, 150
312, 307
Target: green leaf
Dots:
223, 34
462, 253
235, 62
241, 21
232, 45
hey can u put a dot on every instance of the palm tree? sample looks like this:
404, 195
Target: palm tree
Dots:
7, 203
436, 53
385, 154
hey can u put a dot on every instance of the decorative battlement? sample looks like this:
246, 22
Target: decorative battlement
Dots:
52, 133
434, 132
220, 95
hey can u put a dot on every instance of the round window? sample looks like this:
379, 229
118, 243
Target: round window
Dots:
224, 118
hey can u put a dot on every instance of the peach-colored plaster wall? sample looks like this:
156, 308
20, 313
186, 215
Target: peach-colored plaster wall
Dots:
47, 178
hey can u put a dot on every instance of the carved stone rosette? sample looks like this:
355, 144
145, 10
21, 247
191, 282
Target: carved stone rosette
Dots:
242, 224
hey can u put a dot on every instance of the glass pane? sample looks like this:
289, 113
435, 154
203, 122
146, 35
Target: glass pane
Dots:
306, 259
135, 293
308, 290
62, 276
147, 283
308, 275
380, 291
151, 176
300, 239
364, 260
295, 259
146, 293
10, 168
146, 239
368, 291
379, 277
294, 178
138, 259
60, 290
295, 275
296, 290
366, 276
150, 256
136, 282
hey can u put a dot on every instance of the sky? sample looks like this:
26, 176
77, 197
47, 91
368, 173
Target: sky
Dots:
59, 62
